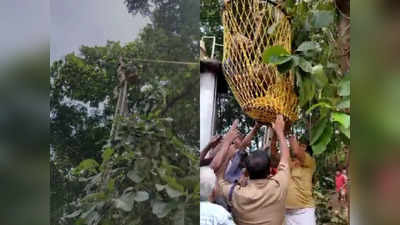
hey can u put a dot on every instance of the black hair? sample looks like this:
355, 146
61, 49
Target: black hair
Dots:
257, 164
305, 141
243, 156
309, 149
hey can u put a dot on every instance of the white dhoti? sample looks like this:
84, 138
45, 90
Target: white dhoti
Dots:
300, 216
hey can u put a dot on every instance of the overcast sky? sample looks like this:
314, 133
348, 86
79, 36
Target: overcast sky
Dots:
90, 22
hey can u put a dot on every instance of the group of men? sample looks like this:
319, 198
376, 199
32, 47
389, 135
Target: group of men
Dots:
260, 188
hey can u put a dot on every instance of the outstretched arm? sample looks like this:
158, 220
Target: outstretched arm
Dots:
213, 142
225, 153
297, 151
279, 126
247, 140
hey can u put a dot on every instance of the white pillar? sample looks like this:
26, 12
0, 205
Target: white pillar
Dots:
208, 91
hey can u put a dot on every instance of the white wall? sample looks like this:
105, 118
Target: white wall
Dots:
207, 107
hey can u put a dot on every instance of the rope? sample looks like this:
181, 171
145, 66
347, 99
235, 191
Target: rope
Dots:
166, 61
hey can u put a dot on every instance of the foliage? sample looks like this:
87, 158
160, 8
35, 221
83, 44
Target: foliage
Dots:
82, 104
138, 175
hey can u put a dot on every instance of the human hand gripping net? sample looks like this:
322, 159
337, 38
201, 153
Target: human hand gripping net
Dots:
250, 27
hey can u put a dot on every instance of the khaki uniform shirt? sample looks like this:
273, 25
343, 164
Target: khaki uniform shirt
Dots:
300, 185
261, 202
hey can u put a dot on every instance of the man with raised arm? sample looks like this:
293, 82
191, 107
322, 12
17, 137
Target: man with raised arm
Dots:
300, 203
262, 200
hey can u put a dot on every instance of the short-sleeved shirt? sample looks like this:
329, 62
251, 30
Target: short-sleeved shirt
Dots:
300, 185
261, 202
213, 214
340, 181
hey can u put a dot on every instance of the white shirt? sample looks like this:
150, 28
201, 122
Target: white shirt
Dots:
213, 214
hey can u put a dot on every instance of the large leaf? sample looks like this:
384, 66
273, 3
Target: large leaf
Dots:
285, 67
342, 118
160, 209
276, 55
119, 204
305, 65
323, 141
134, 176
172, 193
125, 202
321, 18
319, 76
307, 91
318, 129
307, 46
141, 196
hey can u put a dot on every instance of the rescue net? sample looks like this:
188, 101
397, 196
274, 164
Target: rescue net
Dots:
250, 27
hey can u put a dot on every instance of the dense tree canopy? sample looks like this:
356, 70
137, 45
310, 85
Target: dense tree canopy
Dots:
152, 164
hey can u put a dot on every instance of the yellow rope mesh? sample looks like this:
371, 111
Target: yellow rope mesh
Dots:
250, 27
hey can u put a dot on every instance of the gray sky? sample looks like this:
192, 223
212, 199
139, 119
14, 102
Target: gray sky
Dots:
24, 27
90, 22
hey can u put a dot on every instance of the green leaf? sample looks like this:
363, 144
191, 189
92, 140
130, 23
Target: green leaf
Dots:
285, 67
125, 202
160, 209
88, 164
344, 88
74, 214
106, 155
321, 18
172, 193
307, 91
320, 104
307, 46
305, 65
276, 55
134, 176
160, 187
345, 131
320, 146
319, 76
318, 129
341, 118
141, 196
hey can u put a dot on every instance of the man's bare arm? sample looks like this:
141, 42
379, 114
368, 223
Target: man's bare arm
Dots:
279, 126
226, 142
213, 142
247, 140
297, 151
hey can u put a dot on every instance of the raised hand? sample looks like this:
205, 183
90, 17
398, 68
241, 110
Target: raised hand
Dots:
279, 125
215, 140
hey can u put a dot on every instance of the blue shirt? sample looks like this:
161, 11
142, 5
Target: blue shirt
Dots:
233, 173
